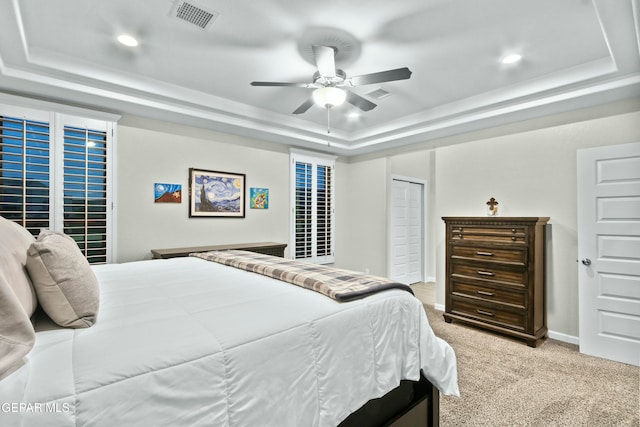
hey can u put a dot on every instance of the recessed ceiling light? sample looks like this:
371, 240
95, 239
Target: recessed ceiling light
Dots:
511, 59
127, 40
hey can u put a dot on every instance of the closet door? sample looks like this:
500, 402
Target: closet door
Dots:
407, 231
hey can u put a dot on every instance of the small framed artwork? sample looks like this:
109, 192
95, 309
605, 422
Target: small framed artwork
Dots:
216, 194
167, 193
259, 198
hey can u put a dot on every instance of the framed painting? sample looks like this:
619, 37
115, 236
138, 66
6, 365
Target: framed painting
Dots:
167, 193
259, 198
216, 194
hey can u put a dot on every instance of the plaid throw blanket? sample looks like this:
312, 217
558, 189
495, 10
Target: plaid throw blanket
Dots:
341, 285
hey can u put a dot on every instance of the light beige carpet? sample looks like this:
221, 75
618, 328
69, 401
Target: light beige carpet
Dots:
503, 382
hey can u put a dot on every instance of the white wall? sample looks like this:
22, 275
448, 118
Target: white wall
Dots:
530, 174
150, 152
361, 215
420, 165
362, 205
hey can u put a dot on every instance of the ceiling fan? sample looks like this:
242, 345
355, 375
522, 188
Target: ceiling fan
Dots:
332, 85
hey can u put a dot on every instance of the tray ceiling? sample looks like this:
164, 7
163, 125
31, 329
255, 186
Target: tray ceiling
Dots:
575, 54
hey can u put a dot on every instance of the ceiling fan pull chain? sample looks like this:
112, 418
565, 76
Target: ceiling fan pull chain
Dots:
328, 126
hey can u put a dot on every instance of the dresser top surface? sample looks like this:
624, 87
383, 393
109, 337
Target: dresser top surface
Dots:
496, 219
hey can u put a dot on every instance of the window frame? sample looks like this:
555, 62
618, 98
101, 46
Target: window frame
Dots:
315, 160
59, 116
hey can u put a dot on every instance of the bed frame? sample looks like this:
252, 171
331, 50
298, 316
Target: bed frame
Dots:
411, 404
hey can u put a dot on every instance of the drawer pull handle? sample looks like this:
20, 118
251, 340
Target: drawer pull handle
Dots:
485, 273
513, 230
513, 238
489, 294
484, 313
484, 253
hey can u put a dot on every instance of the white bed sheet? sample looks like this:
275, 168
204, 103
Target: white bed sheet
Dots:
187, 342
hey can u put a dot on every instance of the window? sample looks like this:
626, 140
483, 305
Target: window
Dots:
85, 190
55, 174
24, 172
312, 205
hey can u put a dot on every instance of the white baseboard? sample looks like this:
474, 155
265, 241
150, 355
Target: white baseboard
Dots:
570, 339
564, 337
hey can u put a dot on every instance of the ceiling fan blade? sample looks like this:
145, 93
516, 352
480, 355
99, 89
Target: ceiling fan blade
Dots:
382, 76
360, 102
325, 60
304, 107
305, 85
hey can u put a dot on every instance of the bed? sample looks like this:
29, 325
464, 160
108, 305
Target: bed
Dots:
189, 342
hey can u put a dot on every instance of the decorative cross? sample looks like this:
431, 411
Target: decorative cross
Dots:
492, 203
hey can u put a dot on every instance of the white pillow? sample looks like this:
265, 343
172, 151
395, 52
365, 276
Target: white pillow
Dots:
14, 244
66, 286
16, 332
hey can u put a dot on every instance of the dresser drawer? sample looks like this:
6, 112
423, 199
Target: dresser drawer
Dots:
490, 314
516, 276
494, 234
507, 256
515, 298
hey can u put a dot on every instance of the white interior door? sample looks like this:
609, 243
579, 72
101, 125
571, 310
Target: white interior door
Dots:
609, 252
407, 231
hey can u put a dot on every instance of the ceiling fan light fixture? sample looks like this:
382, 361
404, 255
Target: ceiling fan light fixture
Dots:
329, 96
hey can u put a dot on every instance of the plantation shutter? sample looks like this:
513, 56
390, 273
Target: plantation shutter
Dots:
55, 173
303, 211
85, 190
24, 172
324, 211
312, 208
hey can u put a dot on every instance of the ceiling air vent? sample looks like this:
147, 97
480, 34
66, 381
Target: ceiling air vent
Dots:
192, 13
378, 93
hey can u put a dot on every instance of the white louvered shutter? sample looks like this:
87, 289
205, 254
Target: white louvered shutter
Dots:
25, 172
85, 190
324, 211
313, 209
55, 174
303, 231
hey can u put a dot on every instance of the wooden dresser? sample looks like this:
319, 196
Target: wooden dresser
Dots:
495, 274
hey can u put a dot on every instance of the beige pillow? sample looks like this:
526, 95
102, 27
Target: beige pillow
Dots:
14, 244
66, 286
16, 332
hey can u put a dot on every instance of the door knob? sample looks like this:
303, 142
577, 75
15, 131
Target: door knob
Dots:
586, 261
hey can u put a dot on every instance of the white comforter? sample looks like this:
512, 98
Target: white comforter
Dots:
186, 342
